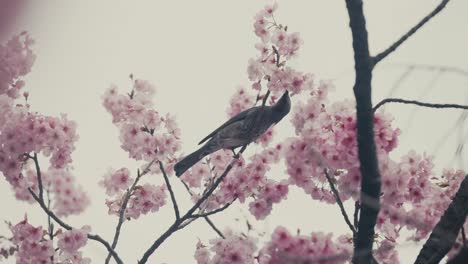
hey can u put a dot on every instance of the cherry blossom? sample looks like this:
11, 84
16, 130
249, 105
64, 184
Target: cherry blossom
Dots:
116, 181
232, 249
146, 198
287, 248
31, 247
141, 127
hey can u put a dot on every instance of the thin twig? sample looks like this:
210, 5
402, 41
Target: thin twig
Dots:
68, 227
123, 208
208, 220
171, 192
50, 226
357, 206
277, 56
175, 226
429, 67
339, 202
430, 105
400, 80
39, 175
376, 59
224, 207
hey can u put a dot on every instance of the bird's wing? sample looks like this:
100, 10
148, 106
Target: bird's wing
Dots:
241, 116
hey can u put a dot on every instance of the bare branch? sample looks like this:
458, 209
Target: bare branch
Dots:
376, 59
430, 105
224, 207
357, 206
339, 202
445, 233
208, 220
171, 192
439, 68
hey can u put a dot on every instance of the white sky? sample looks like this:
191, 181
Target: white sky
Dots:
196, 52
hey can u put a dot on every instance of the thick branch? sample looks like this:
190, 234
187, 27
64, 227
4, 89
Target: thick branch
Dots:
461, 257
445, 233
413, 30
370, 176
339, 202
430, 105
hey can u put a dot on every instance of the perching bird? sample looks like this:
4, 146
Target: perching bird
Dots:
240, 130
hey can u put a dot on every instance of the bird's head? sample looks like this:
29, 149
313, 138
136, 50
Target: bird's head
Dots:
282, 107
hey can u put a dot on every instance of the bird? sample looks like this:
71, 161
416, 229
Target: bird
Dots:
238, 131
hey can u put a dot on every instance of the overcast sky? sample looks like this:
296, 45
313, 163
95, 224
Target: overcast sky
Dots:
196, 52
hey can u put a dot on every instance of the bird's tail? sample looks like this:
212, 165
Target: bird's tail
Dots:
190, 160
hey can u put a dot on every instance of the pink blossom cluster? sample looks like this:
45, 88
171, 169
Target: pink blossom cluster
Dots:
23, 133
436, 197
144, 199
248, 179
144, 133
16, 60
70, 242
271, 192
326, 138
276, 47
32, 247
68, 198
116, 181
234, 248
284, 248
245, 180
269, 31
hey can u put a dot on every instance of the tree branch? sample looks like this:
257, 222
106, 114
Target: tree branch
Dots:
124, 207
211, 212
370, 176
357, 206
376, 59
40, 199
171, 192
39, 175
430, 105
208, 220
460, 258
175, 226
339, 202
68, 227
445, 233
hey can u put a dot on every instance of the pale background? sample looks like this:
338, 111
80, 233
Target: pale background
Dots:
196, 52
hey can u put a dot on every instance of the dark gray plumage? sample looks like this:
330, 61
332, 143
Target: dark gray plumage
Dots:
240, 130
